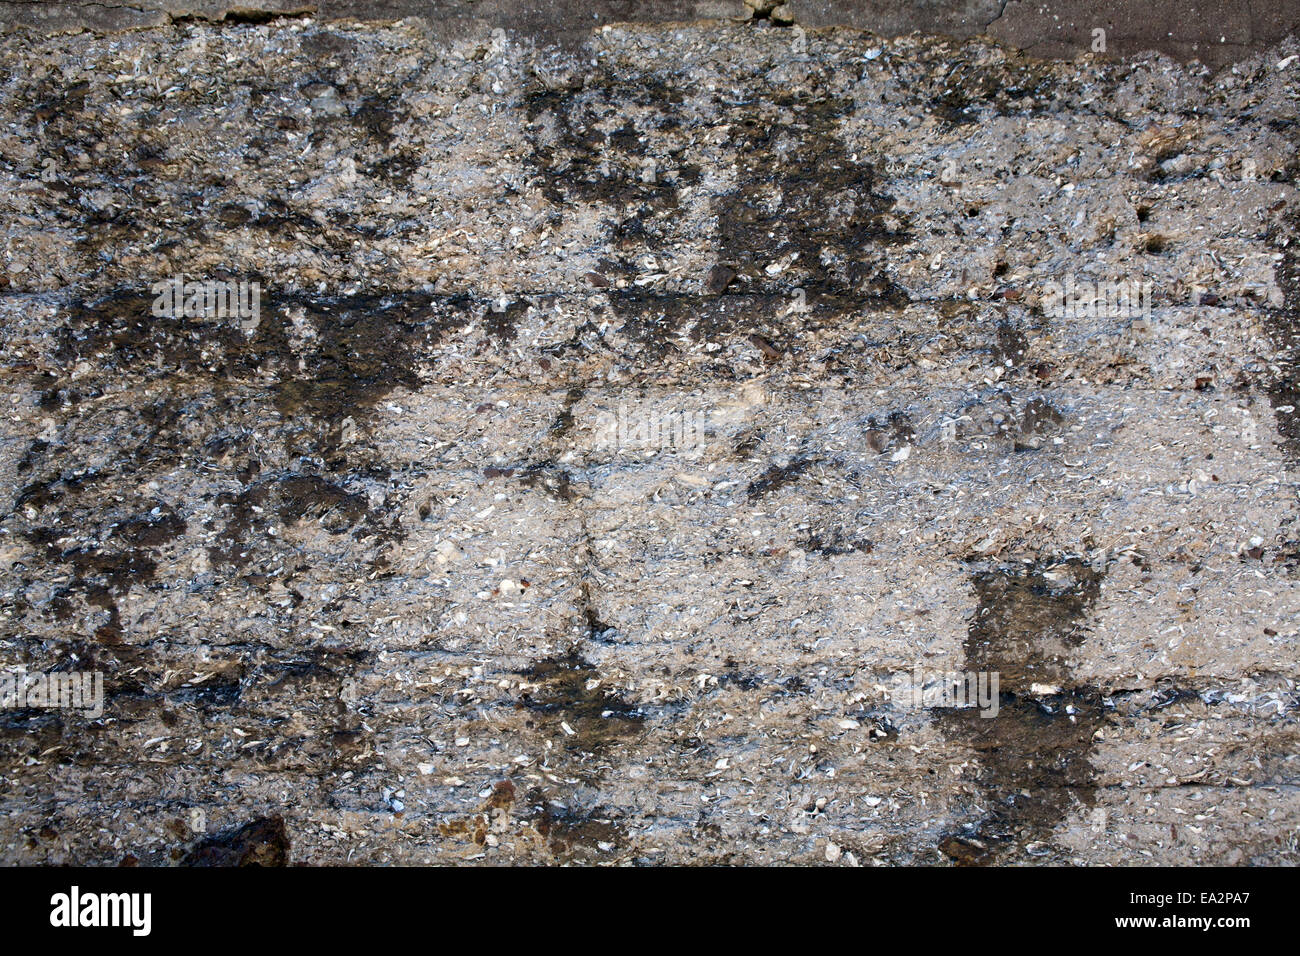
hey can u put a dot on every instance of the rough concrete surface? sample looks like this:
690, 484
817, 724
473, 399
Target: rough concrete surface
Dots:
625, 427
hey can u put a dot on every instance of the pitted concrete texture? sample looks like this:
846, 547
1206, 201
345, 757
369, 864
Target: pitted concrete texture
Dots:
623, 432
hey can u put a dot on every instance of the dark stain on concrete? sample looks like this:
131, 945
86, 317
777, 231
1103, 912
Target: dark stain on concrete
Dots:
1033, 755
1284, 329
777, 476
598, 717
286, 500
801, 198
575, 835
261, 842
